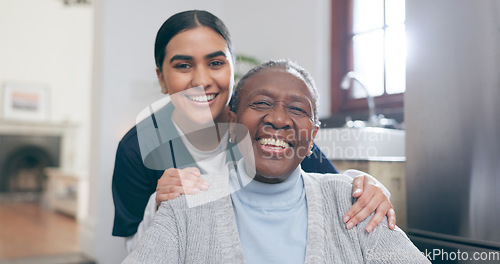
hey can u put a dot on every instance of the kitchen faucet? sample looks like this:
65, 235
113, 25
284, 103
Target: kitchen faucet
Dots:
346, 84
373, 119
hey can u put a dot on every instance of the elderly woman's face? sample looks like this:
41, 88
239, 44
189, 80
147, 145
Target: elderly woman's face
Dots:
277, 108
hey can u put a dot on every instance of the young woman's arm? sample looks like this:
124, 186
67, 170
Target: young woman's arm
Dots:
372, 197
132, 186
132, 241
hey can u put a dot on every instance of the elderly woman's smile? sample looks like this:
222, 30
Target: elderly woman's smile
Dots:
277, 107
273, 144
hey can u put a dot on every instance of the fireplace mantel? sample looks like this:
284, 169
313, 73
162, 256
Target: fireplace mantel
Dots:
66, 130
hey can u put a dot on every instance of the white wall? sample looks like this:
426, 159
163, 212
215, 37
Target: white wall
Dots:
295, 29
125, 81
42, 41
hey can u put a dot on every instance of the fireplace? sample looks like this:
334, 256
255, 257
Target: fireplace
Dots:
26, 150
23, 159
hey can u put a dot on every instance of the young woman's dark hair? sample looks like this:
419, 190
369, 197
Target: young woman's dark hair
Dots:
184, 21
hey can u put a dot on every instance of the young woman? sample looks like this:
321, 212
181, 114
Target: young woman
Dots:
194, 59
283, 215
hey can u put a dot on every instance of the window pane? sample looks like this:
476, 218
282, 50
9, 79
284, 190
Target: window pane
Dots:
395, 59
394, 11
368, 15
368, 60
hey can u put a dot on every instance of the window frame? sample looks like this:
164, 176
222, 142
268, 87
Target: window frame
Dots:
341, 63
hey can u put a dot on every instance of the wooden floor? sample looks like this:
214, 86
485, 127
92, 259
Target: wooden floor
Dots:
26, 230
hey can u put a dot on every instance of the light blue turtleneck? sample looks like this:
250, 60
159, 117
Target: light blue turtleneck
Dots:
272, 219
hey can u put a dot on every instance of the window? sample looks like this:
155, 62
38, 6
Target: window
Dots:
368, 37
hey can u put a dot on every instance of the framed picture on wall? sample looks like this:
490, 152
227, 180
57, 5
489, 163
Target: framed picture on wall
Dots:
25, 101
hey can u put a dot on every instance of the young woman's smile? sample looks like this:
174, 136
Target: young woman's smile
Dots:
277, 108
197, 73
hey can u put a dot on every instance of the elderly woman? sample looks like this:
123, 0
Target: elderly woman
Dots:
280, 214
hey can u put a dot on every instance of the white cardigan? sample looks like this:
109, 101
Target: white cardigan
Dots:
208, 234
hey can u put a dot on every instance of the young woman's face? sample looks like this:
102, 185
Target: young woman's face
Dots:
198, 74
277, 108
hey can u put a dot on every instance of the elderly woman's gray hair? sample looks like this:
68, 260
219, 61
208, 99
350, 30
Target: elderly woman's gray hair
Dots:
292, 68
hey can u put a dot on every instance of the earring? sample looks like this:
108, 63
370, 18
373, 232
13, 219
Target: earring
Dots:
230, 140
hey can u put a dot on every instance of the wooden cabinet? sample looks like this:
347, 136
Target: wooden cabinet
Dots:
389, 173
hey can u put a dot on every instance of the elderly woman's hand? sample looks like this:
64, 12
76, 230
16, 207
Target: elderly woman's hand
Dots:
175, 182
370, 198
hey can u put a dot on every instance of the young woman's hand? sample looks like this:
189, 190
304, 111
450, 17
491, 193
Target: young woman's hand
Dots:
371, 198
175, 182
